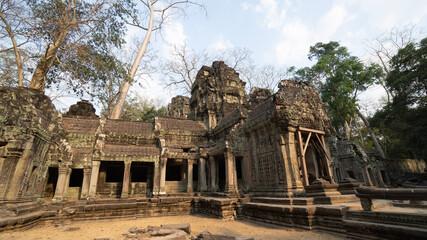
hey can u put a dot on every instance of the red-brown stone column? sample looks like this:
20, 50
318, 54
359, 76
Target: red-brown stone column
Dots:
60, 184
213, 174
94, 179
366, 176
67, 184
156, 178
86, 182
229, 172
202, 187
189, 176
163, 163
126, 180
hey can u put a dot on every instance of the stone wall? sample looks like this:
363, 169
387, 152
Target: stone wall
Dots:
179, 107
216, 92
31, 135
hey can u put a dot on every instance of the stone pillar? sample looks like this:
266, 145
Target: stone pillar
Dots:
60, 184
67, 184
94, 179
189, 176
202, 175
229, 172
183, 172
156, 178
366, 177
126, 180
17, 172
291, 173
86, 182
163, 163
213, 174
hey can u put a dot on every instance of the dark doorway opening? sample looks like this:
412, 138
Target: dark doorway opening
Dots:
114, 171
173, 171
76, 178
239, 167
139, 171
195, 172
350, 174
52, 179
221, 174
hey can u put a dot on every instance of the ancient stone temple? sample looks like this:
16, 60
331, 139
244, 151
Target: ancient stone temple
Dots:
263, 156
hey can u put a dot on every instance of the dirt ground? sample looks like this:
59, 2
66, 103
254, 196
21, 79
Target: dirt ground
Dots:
113, 229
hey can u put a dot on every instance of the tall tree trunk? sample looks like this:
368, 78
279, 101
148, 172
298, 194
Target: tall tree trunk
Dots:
19, 62
347, 130
117, 110
38, 81
374, 138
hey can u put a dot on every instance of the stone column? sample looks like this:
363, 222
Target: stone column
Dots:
183, 172
67, 184
189, 176
94, 179
156, 178
17, 172
213, 174
126, 180
366, 176
229, 172
86, 182
202, 175
163, 163
60, 184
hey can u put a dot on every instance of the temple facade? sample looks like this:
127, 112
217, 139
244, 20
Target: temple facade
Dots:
220, 141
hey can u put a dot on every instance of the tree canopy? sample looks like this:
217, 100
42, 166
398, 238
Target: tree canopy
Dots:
402, 122
339, 77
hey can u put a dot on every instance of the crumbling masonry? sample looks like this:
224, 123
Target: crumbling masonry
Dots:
219, 152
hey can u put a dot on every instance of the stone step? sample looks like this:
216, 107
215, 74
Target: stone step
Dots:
25, 208
307, 201
284, 201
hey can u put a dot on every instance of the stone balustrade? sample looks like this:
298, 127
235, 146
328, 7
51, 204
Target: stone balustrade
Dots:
366, 194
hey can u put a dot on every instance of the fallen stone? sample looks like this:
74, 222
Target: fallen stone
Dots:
130, 235
135, 229
69, 229
202, 234
177, 235
182, 226
218, 237
162, 232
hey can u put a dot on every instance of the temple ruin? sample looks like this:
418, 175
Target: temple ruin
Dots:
264, 156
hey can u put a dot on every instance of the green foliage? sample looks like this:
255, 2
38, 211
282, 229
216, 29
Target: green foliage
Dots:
403, 121
139, 109
339, 77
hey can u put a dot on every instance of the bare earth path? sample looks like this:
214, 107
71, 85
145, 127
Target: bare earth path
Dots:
114, 229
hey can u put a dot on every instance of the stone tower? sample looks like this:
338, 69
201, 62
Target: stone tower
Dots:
216, 92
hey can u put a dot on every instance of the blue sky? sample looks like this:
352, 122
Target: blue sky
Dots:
280, 32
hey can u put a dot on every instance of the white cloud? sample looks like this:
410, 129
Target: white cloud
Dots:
273, 16
297, 37
174, 33
173, 36
331, 21
295, 43
221, 44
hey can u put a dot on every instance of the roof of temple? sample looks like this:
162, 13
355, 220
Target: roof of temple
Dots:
131, 150
78, 124
129, 127
167, 123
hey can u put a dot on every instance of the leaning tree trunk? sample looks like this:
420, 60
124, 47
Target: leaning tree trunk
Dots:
374, 138
117, 110
38, 81
19, 62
